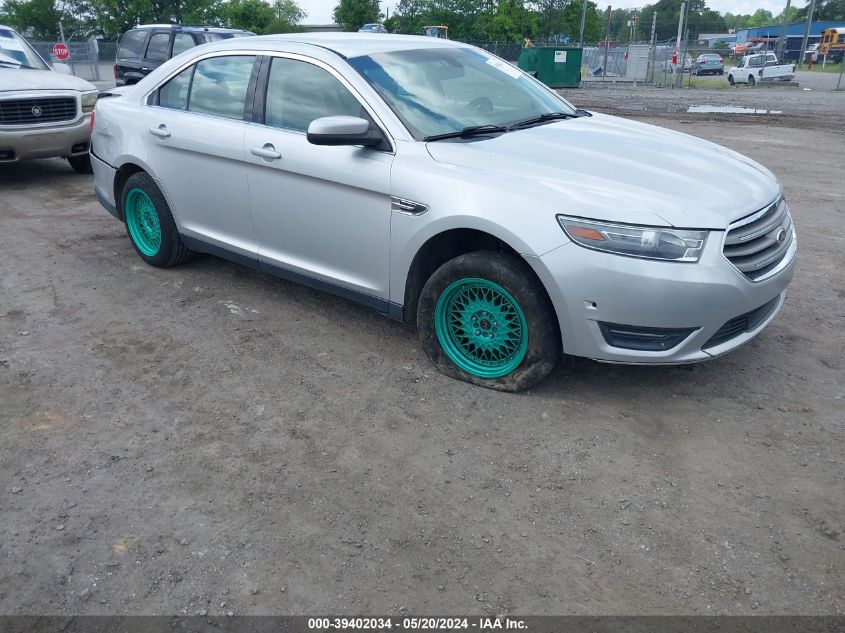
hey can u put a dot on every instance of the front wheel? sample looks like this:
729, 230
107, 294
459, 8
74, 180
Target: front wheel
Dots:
484, 318
81, 164
731, 80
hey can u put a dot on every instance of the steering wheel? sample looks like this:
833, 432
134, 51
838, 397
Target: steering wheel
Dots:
480, 105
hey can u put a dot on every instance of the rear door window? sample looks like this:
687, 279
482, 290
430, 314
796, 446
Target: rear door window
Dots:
157, 48
131, 45
174, 94
219, 86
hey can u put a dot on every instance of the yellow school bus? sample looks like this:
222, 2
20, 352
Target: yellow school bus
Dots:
832, 44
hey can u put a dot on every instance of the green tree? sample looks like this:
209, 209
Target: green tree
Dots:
593, 25
252, 15
42, 17
700, 19
825, 10
352, 14
510, 22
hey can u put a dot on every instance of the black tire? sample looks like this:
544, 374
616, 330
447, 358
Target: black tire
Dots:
81, 164
172, 250
731, 80
516, 277
751, 80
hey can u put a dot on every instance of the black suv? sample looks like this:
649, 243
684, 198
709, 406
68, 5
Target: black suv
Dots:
147, 46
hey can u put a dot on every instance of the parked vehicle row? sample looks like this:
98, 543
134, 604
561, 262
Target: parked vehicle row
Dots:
424, 178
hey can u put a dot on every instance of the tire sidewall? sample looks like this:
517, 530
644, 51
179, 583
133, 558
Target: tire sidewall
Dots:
514, 275
168, 250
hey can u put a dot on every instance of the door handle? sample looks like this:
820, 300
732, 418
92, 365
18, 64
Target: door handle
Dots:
267, 151
161, 131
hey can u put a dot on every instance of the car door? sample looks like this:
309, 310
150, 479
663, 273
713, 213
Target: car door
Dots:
194, 134
322, 212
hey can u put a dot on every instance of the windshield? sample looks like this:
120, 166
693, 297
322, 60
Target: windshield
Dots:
17, 53
444, 90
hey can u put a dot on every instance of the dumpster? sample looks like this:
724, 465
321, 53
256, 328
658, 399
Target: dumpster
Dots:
555, 66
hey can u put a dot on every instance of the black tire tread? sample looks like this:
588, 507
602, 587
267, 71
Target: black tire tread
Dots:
514, 274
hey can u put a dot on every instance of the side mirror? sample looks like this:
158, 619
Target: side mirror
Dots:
62, 69
342, 130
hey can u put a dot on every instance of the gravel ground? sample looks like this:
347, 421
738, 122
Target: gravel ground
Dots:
797, 107
209, 440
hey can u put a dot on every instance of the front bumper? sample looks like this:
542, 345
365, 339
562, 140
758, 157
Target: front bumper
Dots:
589, 287
62, 139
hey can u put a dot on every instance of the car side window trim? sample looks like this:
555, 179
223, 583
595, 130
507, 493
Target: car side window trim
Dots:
260, 105
153, 98
150, 98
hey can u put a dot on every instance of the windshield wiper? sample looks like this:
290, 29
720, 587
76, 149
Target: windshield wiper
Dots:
543, 118
474, 130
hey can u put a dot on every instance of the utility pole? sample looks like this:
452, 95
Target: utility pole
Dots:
653, 41
678, 61
782, 38
806, 33
585, 3
606, 44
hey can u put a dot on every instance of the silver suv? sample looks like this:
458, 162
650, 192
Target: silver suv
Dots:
441, 185
44, 112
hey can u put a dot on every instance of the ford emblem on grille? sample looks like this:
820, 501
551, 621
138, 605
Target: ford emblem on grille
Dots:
781, 236
36, 111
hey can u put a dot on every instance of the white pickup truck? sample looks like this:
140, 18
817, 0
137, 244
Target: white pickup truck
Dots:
760, 67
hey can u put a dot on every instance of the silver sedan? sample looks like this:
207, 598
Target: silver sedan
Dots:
441, 185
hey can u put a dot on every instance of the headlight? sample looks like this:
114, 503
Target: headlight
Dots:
89, 100
650, 242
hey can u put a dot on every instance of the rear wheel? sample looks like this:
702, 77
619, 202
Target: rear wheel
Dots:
81, 164
484, 318
150, 224
751, 80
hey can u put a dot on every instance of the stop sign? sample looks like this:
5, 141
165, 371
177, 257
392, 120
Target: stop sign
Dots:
61, 52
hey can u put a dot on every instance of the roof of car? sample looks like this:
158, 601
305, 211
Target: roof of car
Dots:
345, 44
192, 29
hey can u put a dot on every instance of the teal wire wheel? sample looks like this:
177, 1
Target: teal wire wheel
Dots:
481, 328
143, 222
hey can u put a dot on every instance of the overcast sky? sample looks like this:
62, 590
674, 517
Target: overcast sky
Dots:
320, 11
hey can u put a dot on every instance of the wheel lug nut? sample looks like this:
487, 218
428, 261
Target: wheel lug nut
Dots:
478, 332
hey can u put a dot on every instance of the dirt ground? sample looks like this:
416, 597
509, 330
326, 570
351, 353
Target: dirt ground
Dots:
206, 439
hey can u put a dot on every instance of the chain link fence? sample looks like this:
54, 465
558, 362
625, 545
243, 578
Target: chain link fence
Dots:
84, 59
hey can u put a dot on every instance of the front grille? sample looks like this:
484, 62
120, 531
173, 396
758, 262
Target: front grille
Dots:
757, 244
37, 110
742, 324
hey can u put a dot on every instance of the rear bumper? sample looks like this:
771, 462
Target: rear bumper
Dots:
104, 184
69, 139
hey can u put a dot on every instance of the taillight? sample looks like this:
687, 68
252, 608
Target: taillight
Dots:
115, 71
702, 62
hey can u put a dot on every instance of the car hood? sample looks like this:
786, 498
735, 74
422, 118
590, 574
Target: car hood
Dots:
614, 169
27, 79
